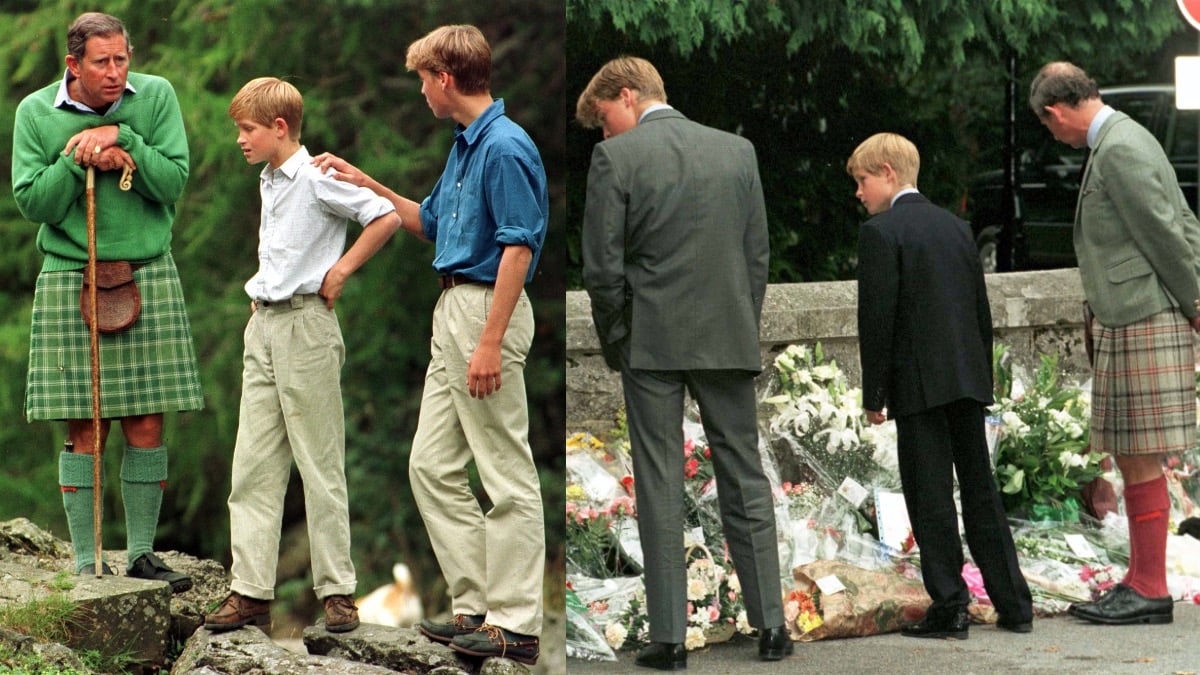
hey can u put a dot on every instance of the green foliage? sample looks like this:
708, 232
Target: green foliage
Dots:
347, 58
1043, 460
808, 81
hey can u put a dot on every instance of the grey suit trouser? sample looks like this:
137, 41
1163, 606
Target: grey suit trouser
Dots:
654, 402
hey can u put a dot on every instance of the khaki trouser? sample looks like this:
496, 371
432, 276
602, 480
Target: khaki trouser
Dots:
291, 410
493, 562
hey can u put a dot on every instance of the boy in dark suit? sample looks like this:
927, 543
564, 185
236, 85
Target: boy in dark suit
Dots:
925, 342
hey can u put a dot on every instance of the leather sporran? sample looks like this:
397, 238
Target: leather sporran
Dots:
117, 297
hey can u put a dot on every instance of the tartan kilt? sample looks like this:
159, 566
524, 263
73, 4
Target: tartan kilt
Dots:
1144, 387
145, 369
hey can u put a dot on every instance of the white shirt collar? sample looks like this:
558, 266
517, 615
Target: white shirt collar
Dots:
653, 108
63, 98
1097, 122
905, 191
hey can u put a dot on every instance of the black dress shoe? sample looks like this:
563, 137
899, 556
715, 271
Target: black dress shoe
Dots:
1014, 625
774, 644
90, 570
951, 625
663, 656
1123, 605
150, 566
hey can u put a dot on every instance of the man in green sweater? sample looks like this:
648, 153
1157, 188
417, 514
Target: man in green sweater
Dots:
103, 116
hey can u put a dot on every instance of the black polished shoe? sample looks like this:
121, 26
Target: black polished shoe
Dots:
774, 644
1014, 625
945, 626
90, 570
1123, 605
663, 656
150, 566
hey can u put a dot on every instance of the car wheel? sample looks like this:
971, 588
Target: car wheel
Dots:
987, 249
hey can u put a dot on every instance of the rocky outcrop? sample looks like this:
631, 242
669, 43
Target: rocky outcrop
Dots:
141, 619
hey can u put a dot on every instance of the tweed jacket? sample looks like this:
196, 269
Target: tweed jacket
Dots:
1136, 240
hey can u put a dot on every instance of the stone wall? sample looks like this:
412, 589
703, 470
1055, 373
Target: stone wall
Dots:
1034, 313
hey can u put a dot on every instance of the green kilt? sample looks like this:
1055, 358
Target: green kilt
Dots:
148, 368
1144, 387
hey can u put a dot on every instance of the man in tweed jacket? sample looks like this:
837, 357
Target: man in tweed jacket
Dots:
1137, 244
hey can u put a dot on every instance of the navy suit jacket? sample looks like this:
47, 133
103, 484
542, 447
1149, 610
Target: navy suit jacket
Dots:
924, 325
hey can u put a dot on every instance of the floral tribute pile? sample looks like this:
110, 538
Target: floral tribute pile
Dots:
839, 514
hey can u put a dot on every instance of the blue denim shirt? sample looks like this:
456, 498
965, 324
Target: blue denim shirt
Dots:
491, 195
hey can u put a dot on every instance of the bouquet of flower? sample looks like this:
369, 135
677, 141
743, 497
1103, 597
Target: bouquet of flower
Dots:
1043, 460
715, 611
819, 422
599, 507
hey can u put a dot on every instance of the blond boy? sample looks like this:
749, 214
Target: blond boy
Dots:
291, 405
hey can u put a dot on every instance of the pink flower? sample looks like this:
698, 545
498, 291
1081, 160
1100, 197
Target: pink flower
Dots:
689, 446
974, 580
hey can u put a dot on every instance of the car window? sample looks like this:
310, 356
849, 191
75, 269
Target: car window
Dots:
1144, 108
1183, 141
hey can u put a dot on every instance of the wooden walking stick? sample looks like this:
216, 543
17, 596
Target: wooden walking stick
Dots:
94, 327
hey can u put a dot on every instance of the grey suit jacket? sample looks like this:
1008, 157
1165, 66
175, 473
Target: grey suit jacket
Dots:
675, 246
1137, 242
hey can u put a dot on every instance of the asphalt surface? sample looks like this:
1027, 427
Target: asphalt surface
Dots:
1059, 645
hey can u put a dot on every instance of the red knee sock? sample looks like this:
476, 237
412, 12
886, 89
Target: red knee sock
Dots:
1147, 505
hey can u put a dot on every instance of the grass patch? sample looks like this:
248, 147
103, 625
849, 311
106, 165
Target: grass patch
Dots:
50, 619
47, 619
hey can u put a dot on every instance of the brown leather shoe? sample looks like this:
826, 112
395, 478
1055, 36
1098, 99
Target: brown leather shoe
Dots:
238, 610
341, 614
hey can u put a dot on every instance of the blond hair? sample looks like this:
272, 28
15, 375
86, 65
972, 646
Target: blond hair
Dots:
461, 51
626, 72
264, 99
887, 148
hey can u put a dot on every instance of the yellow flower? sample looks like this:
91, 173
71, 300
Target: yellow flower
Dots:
575, 493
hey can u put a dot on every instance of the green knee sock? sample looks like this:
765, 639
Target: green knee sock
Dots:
75, 478
143, 479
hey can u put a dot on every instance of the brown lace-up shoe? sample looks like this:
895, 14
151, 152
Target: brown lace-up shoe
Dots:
236, 611
461, 624
341, 614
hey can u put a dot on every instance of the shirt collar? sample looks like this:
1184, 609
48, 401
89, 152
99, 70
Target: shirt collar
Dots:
905, 191
471, 133
291, 166
1097, 122
654, 108
63, 98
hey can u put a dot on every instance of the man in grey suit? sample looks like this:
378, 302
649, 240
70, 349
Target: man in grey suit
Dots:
1137, 243
675, 254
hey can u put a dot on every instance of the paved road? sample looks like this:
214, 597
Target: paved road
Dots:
1057, 646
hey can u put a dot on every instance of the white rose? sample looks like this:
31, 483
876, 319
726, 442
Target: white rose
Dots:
615, 634
694, 638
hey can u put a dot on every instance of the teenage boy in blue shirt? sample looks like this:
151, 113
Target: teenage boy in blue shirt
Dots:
487, 216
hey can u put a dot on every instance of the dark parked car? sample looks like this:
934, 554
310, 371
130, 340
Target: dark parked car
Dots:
1037, 232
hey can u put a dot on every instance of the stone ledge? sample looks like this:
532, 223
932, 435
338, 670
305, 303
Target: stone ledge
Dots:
143, 608
1034, 313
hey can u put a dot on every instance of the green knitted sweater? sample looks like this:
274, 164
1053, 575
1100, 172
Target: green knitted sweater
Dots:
49, 186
